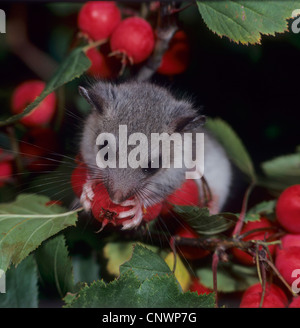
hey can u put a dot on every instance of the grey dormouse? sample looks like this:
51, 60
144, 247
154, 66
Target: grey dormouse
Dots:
146, 108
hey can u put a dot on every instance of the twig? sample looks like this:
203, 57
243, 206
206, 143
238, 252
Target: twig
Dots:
258, 266
264, 283
215, 262
250, 232
273, 267
240, 222
179, 10
165, 30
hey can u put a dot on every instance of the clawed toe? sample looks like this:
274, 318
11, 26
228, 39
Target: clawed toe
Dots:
87, 196
136, 212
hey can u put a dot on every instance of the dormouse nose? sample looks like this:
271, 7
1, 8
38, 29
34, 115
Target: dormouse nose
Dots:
117, 197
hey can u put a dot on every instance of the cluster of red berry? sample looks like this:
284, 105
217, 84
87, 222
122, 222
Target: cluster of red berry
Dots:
287, 255
39, 140
131, 39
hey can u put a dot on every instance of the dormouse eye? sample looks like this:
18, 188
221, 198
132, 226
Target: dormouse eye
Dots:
151, 170
101, 147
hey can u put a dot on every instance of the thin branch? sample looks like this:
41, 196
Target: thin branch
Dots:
215, 262
240, 222
165, 30
264, 283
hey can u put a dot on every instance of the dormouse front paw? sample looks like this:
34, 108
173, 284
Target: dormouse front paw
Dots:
136, 213
87, 195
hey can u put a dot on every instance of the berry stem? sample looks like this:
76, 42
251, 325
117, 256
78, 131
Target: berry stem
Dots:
258, 266
263, 283
178, 10
94, 44
245, 234
273, 267
240, 222
215, 262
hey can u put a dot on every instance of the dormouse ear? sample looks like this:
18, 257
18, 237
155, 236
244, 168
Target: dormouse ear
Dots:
99, 96
84, 93
188, 123
91, 98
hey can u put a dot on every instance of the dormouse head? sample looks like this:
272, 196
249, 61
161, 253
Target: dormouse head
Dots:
118, 138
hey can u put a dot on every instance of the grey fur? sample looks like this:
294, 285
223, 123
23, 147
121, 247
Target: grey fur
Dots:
147, 108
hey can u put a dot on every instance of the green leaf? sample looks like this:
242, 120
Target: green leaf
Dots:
285, 169
202, 222
144, 263
55, 266
26, 223
265, 208
145, 281
231, 277
162, 292
128, 291
117, 253
119, 293
251, 217
72, 67
233, 145
21, 286
246, 21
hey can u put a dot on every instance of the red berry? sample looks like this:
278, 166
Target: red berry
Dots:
133, 37
290, 240
244, 257
295, 303
287, 260
98, 19
176, 59
103, 67
6, 168
288, 209
152, 212
187, 194
274, 297
104, 210
39, 149
287, 241
25, 94
189, 252
196, 286
78, 179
